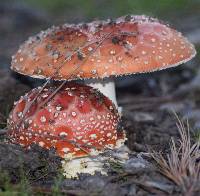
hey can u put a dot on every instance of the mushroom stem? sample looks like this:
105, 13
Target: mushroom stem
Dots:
106, 86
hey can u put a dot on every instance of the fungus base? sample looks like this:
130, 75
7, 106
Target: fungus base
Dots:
94, 163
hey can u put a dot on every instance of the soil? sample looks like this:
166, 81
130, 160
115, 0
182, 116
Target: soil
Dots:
148, 101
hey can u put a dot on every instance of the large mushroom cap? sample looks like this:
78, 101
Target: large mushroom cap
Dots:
127, 45
77, 121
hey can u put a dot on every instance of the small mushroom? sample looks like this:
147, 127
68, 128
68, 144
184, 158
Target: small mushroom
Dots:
102, 49
78, 121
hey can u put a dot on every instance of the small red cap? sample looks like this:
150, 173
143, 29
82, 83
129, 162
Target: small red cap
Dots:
77, 120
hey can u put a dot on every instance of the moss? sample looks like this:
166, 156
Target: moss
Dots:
7, 188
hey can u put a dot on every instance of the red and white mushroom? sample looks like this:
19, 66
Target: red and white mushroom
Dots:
78, 121
101, 49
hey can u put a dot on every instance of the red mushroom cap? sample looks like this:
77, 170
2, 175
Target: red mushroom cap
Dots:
127, 45
77, 120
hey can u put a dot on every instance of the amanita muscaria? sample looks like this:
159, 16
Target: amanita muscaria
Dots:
78, 121
102, 49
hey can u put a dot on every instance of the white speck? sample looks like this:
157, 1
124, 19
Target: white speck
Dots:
82, 96
55, 56
58, 108
108, 134
43, 119
70, 93
84, 141
69, 120
112, 52
90, 49
56, 115
93, 136
94, 71
65, 150
63, 134
91, 118
19, 114
45, 95
41, 144
79, 137
107, 123
76, 149
82, 121
144, 52
111, 108
119, 58
74, 114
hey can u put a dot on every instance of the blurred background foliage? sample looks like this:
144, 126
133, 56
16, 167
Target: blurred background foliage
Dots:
101, 7
113, 8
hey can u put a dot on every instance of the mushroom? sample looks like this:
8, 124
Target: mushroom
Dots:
101, 50
77, 121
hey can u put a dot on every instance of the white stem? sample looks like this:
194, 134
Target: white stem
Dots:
107, 87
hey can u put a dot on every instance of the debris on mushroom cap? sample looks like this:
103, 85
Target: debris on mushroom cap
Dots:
77, 121
127, 45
